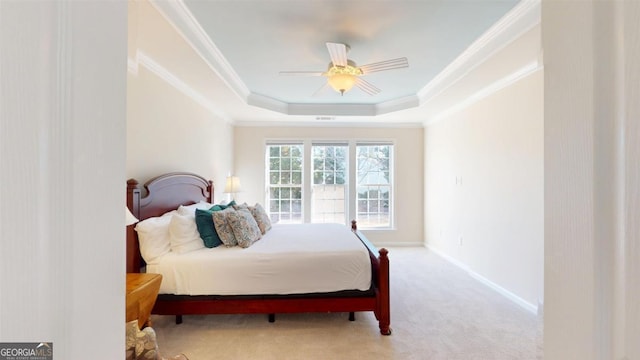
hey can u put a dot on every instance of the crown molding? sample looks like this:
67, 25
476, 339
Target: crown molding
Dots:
487, 90
132, 66
272, 104
523, 17
164, 74
330, 123
177, 14
403, 103
332, 109
268, 103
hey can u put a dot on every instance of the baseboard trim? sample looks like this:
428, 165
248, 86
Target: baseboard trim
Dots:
502, 291
386, 244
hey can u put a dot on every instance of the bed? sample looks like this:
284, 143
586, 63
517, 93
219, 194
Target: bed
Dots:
168, 192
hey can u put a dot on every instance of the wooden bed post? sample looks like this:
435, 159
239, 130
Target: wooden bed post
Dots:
133, 248
384, 301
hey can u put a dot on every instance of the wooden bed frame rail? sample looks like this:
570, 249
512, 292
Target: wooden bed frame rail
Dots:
167, 192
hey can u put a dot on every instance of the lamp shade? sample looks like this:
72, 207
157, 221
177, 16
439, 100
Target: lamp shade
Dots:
129, 218
233, 185
342, 82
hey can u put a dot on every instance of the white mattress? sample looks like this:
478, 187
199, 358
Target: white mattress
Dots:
289, 259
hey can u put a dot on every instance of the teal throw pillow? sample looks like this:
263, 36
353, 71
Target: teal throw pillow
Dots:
222, 207
204, 222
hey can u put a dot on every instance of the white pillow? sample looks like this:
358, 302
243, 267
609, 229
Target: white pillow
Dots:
153, 236
183, 233
191, 209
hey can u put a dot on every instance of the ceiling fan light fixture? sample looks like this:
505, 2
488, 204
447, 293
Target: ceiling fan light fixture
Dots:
342, 78
342, 82
343, 74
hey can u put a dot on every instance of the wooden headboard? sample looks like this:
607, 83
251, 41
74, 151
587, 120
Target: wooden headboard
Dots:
163, 193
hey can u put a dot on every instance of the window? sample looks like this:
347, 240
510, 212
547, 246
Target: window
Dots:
374, 185
345, 180
284, 183
328, 192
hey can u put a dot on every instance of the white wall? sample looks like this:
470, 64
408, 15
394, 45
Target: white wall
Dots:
250, 167
484, 184
62, 170
592, 151
170, 124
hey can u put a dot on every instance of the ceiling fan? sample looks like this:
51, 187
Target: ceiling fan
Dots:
342, 73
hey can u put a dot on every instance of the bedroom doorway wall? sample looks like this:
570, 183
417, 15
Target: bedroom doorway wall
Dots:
62, 170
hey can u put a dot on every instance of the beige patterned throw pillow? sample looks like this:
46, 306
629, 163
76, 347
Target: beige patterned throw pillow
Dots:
241, 206
223, 228
245, 228
262, 218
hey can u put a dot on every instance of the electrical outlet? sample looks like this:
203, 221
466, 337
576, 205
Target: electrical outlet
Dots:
460, 241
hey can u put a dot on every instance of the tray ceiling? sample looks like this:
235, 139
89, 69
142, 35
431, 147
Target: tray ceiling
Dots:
250, 42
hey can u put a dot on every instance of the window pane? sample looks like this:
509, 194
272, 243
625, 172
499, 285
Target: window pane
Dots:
274, 164
296, 151
296, 164
274, 177
285, 151
274, 206
329, 178
362, 192
296, 206
374, 185
362, 206
329, 163
286, 164
296, 177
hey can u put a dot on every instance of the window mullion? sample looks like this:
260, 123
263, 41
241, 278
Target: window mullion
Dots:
352, 204
307, 180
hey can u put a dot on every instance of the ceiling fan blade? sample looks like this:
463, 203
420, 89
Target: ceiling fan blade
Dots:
366, 86
300, 73
320, 90
385, 65
338, 53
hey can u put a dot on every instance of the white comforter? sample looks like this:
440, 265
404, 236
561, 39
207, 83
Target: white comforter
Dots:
289, 259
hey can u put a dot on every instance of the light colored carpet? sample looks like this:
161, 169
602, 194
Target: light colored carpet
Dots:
437, 312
